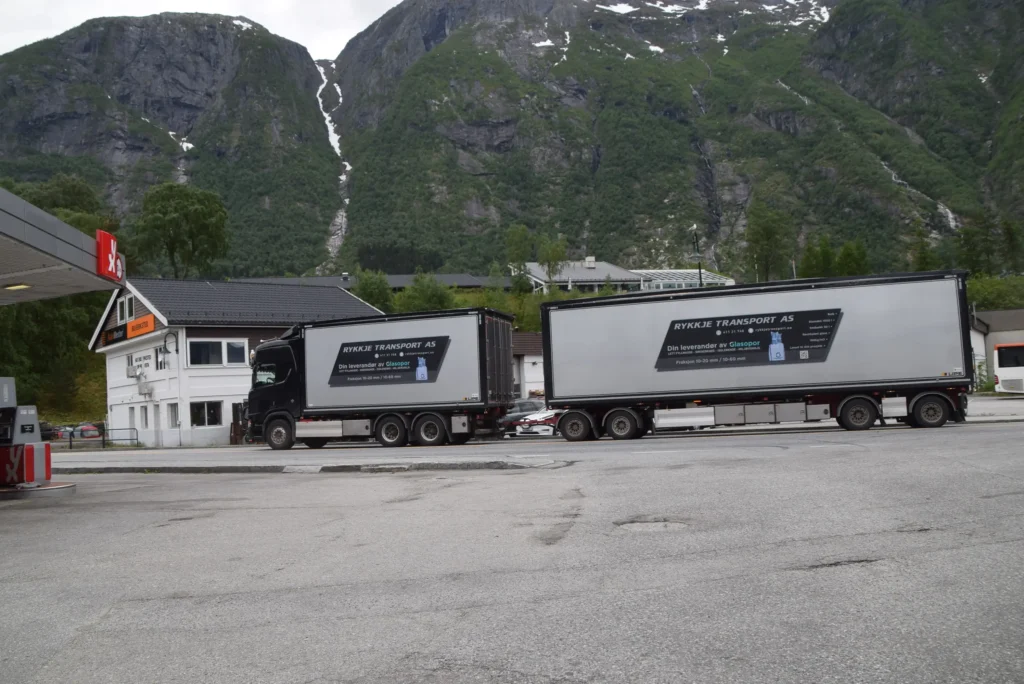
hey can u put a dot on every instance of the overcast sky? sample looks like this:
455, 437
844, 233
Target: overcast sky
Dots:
323, 26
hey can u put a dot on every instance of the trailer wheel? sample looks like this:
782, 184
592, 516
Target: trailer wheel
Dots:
858, 414
391, 432
279, 435
575, 427
931, 411
315, 442
429, 431
621, 424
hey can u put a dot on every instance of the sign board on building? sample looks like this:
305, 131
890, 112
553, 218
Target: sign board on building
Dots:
109, 264
141, 326
135, 328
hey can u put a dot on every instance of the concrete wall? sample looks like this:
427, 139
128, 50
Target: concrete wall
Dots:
529, 374
980, 351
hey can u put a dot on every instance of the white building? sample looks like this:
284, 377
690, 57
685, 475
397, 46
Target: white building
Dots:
528, 364
682, 279
178, 351
588, 275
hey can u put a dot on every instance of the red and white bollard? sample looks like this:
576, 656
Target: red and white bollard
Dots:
26, 465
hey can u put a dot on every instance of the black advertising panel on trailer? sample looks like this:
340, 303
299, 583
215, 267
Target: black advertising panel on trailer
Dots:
784, 337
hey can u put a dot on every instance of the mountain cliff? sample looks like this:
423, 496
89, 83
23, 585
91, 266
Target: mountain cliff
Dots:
216, 101
620, 125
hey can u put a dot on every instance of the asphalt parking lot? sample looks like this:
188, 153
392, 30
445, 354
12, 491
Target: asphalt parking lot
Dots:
887, 556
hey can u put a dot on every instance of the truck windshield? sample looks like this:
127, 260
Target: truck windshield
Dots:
264, 374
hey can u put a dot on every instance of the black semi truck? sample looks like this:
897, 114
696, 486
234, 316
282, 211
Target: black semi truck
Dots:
425, 379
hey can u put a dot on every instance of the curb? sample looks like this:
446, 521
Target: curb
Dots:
300, 469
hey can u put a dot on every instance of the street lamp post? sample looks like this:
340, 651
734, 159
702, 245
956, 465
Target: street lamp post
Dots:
696, 251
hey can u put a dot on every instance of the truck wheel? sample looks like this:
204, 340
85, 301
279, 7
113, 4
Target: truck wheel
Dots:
429, 431
621, 425
931, 411
279, 435
858, 414
315, 442
575, 427
391, 432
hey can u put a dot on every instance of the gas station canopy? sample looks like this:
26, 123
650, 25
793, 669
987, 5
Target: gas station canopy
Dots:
42, 257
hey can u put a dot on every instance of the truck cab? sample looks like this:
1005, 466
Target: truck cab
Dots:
276, 384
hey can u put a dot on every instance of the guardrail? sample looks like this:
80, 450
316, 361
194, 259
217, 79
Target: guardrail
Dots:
105, 439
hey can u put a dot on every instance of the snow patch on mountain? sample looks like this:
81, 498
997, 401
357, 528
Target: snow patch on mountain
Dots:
621, 8
245, 26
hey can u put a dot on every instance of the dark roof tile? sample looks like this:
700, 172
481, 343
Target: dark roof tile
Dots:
213, 302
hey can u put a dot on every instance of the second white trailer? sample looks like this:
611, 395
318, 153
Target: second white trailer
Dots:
800, 350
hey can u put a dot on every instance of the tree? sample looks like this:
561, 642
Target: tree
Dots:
978, 246
426, 293
818, 260
1013, 250
518, 251
494, 293
186, 225
852, 260
373, 288
607, 289
770, 240
70, 193
922, 252
551, 254
990, 294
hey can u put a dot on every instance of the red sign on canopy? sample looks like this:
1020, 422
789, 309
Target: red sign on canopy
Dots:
108, 264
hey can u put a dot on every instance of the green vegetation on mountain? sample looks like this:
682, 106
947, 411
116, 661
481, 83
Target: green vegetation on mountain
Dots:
207, 100
621, 155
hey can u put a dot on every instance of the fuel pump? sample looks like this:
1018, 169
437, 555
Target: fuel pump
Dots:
24, 457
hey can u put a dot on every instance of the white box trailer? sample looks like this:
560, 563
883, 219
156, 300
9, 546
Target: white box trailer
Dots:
852, 348
425, 378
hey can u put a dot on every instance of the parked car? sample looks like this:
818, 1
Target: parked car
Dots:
86, 431
521, 409
46, 431
542, 424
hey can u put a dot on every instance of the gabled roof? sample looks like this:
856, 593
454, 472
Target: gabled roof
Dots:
577, 272
527, 344
397, 282
213, 302
684, 275
1003, 321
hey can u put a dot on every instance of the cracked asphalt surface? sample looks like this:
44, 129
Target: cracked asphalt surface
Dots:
886, 556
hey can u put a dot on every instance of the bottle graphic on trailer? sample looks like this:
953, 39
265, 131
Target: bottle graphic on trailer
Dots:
421, 369
776, 350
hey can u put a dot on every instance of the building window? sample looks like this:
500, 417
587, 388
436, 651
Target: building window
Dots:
173, 422
125, 309
217, 353
161, 358
144, 413
205, 353
129, 371
236, 352
131, 418
206, 413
